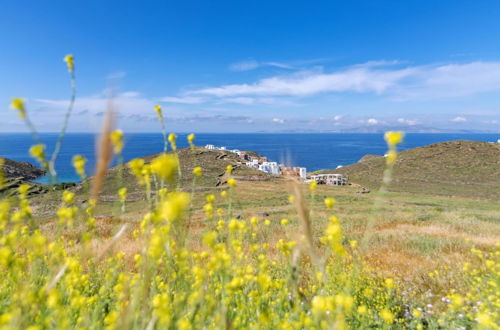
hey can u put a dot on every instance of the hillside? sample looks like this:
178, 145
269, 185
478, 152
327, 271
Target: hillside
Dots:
17, 173
213, 162
457, 168
24, 170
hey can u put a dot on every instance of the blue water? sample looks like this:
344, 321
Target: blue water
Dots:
313, 151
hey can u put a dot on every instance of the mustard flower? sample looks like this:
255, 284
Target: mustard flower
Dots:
117, 141
68, 197
172, 138
136, 166
387, 316
158, 111
122, 194
197, 171
79, 165
312, 186
321, 305
18, 104
38, 152
190, 139
329, 202
393, 138
165, 166
231, 182
70, 62
175, 206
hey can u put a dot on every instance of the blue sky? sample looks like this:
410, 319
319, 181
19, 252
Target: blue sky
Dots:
250, 66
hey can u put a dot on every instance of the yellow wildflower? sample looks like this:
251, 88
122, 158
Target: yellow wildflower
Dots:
38, 152
79, 165
18, 104
284, 222
393, 138
190, 139
321, 305
229, 169
122, 193
172, 138
312, 186
362, 309
329, 202
70, 62
231, 182
117, 141
165, 166
197, 171
387, 316
68, 197
175, 206
158, 111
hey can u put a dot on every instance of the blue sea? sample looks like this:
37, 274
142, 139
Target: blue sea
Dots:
313, 151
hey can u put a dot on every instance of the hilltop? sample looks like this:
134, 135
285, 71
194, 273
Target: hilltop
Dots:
213, 163
458, 168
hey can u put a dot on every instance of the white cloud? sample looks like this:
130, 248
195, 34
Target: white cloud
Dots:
459, 119
240, 100
307, 83
337, 117
399, 83
182, 100
372, 121
278, 120
408, 122
244, 65
253, 64
128, 103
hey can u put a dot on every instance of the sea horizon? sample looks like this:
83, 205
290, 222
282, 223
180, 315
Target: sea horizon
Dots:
314, 151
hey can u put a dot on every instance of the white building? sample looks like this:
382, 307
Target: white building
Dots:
210, 147
330, 179
302, 172
270, 168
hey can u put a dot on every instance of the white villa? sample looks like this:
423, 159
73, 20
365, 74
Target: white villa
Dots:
330, 179
270, 168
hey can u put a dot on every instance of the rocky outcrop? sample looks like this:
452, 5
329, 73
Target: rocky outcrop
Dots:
24, 170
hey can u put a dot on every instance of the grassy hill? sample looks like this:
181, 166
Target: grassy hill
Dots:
457, 168
213, 162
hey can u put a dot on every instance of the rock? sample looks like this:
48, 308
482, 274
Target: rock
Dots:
24, 170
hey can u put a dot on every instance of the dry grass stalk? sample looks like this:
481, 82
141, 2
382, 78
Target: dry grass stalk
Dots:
104, 153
